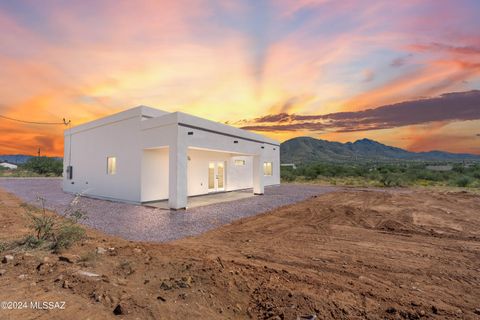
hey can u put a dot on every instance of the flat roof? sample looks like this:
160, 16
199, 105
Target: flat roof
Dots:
155, 118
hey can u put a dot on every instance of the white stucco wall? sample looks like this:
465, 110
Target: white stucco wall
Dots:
90, 149
155, 174
239, 177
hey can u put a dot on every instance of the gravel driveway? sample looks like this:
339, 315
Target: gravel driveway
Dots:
135, 222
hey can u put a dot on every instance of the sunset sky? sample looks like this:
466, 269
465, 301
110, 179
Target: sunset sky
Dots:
281, 68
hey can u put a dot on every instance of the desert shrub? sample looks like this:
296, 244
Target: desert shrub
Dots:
287, 175
67, 235
387, 174
476, 174
3, 247
42, 225
373, 175
52, 232
311, 173
76, 215
463, 181
90, 256
426, 174
31, 242
349, 182
391, 180
45, 166
459, 168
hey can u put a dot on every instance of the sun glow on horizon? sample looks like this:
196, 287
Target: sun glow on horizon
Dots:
236, 61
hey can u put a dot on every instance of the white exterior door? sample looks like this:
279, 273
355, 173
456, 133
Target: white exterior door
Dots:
216, 176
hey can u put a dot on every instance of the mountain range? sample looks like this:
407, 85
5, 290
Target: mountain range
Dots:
15, 158
18, 158
306, 149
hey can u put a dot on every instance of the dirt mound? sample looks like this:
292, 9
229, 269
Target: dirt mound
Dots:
345, 255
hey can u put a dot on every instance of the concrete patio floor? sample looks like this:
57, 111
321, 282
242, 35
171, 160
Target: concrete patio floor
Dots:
205, 200
140, 223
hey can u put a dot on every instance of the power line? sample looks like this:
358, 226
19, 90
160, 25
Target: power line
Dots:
36, 122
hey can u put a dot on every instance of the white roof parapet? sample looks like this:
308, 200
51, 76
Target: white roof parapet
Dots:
158, 118
217, 127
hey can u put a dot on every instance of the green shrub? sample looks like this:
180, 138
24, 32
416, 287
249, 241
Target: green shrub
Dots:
287, 175
67, 235
311, 173
460, 168
386, 174
31, 242
47, 230
76, 215
42, 225
463, 181
391, 180
45, 166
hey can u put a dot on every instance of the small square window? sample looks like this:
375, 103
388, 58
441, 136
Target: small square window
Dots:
239, 162
267, 169
111, 165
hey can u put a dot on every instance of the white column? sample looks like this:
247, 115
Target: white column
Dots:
258, 178
177, 189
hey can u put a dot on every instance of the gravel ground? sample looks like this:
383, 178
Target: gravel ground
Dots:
139, 223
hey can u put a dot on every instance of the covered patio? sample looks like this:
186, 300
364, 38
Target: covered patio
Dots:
199, 176
205, 200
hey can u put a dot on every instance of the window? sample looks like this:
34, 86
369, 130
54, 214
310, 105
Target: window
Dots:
239, 162
111, 165
267, 168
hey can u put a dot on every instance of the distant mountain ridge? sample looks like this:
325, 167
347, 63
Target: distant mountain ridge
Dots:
15, 158
18, 158
306, 149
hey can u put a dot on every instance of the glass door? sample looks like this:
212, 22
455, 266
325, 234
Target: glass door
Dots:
220, 176
216, 176
211, 177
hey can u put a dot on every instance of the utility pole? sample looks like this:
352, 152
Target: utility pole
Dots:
69, 125
39, 151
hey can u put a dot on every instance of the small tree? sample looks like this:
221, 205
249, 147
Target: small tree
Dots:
45, 166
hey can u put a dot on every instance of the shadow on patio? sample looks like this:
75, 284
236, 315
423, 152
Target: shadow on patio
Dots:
203, 200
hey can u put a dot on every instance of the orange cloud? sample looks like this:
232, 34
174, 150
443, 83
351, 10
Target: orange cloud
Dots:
431, 80
225, 61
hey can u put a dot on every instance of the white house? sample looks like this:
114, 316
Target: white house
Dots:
8, 165
144, 154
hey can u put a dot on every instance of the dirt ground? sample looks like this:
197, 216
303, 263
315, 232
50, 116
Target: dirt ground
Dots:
344, 255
